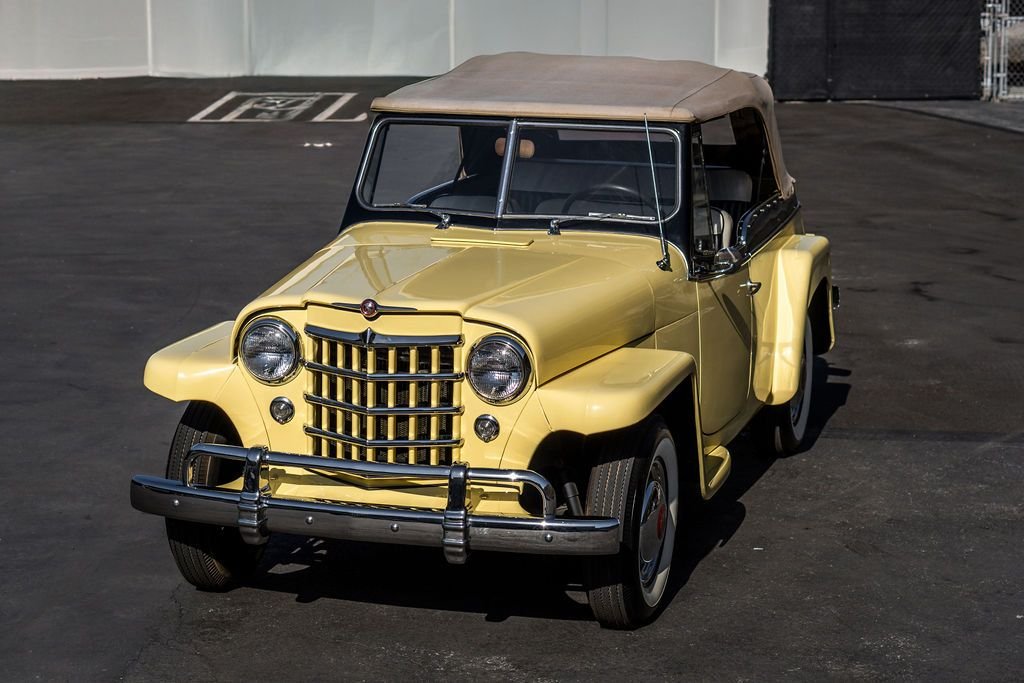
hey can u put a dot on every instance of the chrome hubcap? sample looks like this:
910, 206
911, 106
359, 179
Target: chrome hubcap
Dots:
653, 524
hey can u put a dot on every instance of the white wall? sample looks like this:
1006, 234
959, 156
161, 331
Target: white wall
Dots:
331, 37
83, 38
67, 39
199, 37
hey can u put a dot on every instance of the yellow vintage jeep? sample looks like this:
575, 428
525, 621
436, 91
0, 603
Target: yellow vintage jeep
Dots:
562, 286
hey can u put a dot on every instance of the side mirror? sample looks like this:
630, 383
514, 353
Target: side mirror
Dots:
727, 260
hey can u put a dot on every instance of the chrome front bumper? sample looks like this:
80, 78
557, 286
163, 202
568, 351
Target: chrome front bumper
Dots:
455, 528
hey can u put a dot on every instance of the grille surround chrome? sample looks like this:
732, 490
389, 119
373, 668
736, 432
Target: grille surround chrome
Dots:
384, 398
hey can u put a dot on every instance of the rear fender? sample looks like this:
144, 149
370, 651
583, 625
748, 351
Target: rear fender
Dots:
791, 275
202, 368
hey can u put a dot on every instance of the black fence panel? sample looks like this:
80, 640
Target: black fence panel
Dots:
798, 49
868, 49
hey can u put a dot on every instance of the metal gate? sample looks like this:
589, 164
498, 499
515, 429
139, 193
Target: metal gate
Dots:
1002, 50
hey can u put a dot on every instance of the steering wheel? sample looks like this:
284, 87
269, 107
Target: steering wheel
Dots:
605, 188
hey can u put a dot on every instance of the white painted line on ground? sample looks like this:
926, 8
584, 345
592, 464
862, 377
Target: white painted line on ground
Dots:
338, 104
213, 107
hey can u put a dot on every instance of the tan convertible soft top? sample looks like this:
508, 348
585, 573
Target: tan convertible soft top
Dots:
524, 84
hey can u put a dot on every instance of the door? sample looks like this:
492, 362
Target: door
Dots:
724, 305
726, 340
732, 184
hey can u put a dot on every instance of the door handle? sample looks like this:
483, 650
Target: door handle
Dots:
751, 287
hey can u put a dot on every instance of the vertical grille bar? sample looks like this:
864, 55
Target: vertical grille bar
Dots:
456, 401
371, 401
349, 390
435, 367
357, 394
332, 392
314, 385
392, 363
414, 424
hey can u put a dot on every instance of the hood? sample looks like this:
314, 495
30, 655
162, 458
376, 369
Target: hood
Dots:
570, 297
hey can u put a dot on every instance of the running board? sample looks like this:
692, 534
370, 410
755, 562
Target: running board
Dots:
717, 465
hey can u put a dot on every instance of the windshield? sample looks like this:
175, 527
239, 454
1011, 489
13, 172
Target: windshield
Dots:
439, 165
569, 171
559, 170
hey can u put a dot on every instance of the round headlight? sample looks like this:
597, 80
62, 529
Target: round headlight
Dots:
270, 350
498, 369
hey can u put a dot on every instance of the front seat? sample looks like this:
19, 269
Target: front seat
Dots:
730, 190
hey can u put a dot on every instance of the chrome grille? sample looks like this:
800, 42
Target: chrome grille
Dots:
384, 398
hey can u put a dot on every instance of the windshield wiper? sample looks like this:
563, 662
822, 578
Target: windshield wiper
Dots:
556, 223
443, 216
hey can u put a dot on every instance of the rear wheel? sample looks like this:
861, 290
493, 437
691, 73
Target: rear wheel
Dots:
209, 557
784, 427
637, 481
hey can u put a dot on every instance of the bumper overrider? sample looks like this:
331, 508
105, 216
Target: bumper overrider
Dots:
455, 529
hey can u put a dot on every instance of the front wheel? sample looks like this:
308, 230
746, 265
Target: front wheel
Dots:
637, 481
209, 557
783, 428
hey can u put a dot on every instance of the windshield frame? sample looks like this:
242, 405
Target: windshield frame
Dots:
512, 127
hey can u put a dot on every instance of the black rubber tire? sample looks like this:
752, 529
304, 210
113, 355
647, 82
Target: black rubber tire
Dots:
776, 429
616, 489
211, 558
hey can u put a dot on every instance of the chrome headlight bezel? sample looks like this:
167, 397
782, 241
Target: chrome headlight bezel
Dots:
519, 350
284, 328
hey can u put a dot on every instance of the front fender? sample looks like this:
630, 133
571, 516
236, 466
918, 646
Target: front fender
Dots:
793, 272
615, 391
201, 368
622, 389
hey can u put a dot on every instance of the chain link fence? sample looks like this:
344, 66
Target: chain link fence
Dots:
1002, 49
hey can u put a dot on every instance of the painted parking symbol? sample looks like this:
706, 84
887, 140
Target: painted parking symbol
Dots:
271, 107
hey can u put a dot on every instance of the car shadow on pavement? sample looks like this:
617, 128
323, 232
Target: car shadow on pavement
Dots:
499, 585
496, 585
710, 525
827, 397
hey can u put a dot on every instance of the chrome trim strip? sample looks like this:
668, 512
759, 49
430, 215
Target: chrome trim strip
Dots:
260, 514
381, 443
383, 376
361, 468
397, 410
371, 339
380, 309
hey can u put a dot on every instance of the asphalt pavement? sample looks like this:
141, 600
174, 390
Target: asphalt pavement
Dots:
891, 548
